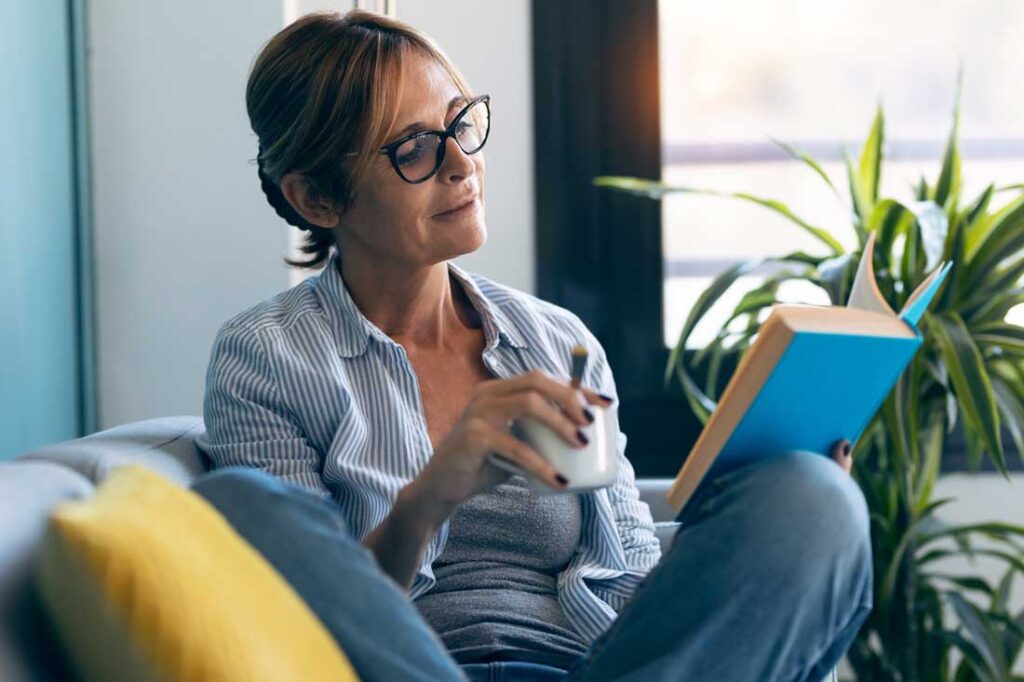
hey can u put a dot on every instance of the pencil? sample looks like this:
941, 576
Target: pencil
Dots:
579, 363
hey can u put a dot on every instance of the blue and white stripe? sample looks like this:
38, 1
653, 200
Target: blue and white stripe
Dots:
303, 386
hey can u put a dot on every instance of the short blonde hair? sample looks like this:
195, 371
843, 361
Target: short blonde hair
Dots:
324, 86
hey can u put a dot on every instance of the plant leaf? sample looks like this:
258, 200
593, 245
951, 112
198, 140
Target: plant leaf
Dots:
989, 645
970, 380
995, 308
799, 257
931, 462
979, 206
993, 284
934, 228
966, 582
891, 218
701, 405
653, 189
702, 353
996, 530
888, 219
922, 190
814, 165
719, 285
1013, 639
1006, 336
1003, 239
869, 170
822, 235
835, 277
972, 655
1012, 408
947, 189
862, 205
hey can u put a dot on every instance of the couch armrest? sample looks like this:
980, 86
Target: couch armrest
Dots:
166, 445
653, 491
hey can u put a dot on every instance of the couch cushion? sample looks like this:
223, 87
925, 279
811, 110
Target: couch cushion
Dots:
653, 491
665, 531
146, 580
28, 491
165, 445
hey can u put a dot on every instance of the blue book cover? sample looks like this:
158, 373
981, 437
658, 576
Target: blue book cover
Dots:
814, 375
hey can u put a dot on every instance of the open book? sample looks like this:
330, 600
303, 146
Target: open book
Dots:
814, 375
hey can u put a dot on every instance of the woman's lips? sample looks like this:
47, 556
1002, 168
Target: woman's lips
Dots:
468, 207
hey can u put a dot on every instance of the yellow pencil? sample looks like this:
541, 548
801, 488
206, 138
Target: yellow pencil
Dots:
579, 363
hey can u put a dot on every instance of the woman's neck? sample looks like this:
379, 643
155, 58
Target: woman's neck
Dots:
424, 308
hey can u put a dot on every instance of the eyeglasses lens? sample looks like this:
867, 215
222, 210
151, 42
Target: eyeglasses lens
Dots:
417, 157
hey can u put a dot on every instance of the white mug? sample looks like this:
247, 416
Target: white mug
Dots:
592, 466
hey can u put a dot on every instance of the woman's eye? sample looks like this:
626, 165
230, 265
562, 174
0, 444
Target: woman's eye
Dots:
412, 155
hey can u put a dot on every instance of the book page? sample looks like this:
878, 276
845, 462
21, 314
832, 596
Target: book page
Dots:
918, 302
921, 289
864, 293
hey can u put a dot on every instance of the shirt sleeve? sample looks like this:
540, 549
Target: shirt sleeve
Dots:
633, 519
247, 422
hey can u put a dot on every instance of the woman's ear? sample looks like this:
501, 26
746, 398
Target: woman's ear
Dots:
314, 209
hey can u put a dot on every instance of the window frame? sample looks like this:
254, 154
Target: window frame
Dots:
594, 116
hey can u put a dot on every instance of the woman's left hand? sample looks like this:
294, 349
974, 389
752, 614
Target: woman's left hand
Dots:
841, 454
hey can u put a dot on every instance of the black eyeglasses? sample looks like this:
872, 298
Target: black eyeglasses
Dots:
417, 157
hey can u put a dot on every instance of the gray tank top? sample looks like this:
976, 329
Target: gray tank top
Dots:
496, 596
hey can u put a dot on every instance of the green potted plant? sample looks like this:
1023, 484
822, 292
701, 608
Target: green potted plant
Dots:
969, 371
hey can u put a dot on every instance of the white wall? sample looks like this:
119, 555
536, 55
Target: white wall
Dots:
490, 43
980, 499
184, 238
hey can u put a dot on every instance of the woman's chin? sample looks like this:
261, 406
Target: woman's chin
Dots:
479, 236
469, 238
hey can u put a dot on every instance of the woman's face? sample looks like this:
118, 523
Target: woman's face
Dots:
392, 219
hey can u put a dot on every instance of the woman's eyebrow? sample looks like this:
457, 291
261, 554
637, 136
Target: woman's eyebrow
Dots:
458, 99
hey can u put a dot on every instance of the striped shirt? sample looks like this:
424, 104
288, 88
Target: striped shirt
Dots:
305, 387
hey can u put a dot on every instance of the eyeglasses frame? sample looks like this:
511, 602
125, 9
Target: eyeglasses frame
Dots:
391, 149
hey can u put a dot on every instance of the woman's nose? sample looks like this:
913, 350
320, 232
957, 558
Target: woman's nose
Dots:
457, 164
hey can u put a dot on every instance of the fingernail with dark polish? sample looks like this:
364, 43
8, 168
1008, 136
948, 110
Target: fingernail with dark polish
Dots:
846, 449
582, 436
589, 415
606, 398
562, 479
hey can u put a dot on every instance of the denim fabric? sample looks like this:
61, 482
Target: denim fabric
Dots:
768, 578
307, 540
512, 671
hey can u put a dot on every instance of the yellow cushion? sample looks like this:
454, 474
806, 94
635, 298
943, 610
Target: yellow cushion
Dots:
146, 580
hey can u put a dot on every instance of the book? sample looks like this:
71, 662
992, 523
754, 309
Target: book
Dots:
813, 375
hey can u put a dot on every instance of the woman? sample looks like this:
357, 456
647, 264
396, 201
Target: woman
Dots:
383, 383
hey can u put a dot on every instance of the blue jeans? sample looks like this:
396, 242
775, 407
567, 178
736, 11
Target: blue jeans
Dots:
768, 578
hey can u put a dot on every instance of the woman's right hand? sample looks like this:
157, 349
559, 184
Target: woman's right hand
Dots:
460, 468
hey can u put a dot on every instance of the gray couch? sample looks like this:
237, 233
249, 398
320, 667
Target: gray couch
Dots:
31, 484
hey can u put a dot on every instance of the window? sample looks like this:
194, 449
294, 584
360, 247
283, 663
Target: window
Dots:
810, 74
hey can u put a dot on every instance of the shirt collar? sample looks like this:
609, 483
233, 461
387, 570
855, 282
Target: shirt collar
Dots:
355, 330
